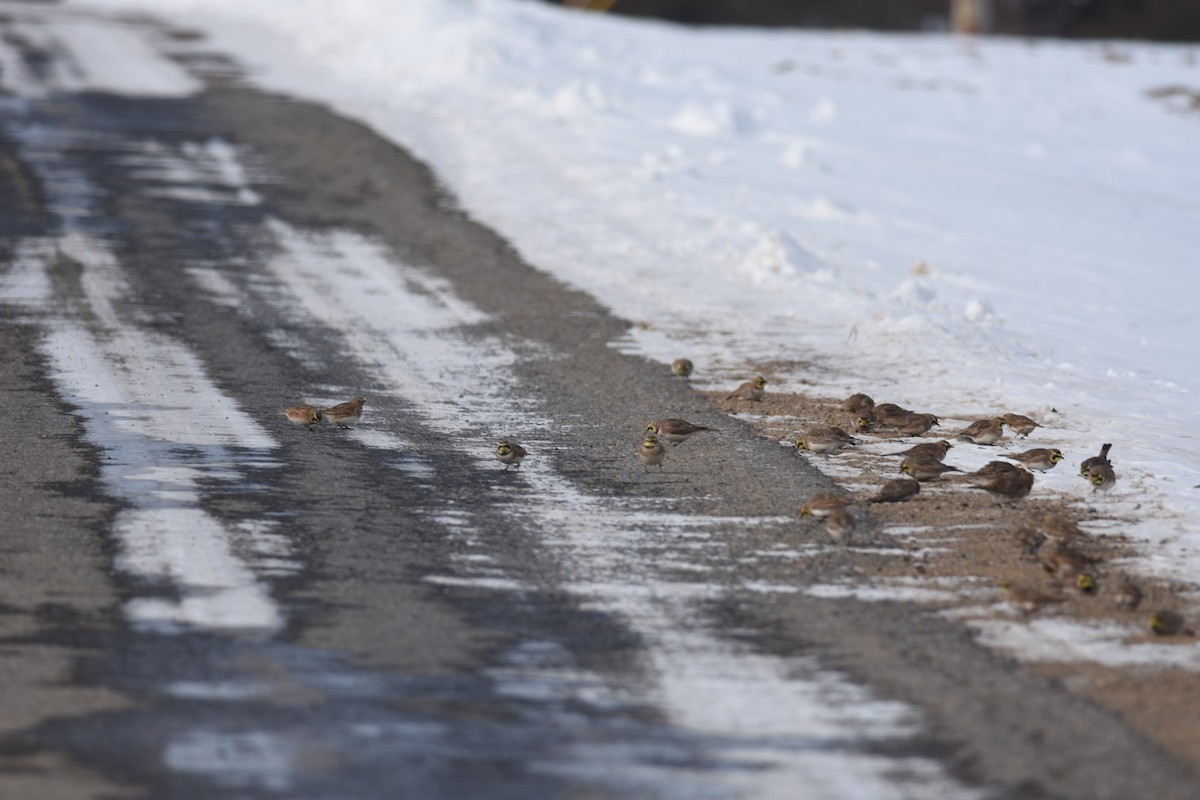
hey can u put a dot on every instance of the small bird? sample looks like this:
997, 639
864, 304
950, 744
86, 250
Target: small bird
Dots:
1085, 583
1039, 458
682, 366
1102, 476
839, 524
822, 505
303, 414
917, 424
674, 430
924, 468
652, 452
1088, 463
1020, 424
1064, 562
510, 453
1165, 622
344, 414
1127, 594
1003, 485
750, 390
983, 431
1025, 598
890, 415
1059, 528
896, 490
935, 450
863, 420
824, 440
857, 402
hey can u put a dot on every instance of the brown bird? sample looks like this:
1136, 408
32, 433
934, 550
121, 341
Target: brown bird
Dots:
1020, 424
1006, 487
917, 424
863, 420
890, 415
674, 430
1102, 476
924, 469
857, 402
823, 504
750, 390
935, 450
1062, 561
824, 440
1039, 458
1059, 528
840, 523
344, 414
1027, 599
1088, 463
896, 490
652, 452
1167, 623
303, 414
510, 453
983, 431
1127, 594
682, 366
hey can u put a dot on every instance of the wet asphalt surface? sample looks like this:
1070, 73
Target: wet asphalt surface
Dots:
381, 683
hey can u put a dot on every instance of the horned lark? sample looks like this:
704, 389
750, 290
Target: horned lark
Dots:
824, 440
750, 390
821, 505
1020, 424
1167, 623
1003, 486
1025, 598
510, 453
1039, 458
303, 414
896, 490
1064, 562
839, 523
924, 469
652, 452
344, 414
983, 431
863, 420
1059, 528
1088, 463
1102, 477
890, 414
1127, 594
934, 450
857, 402
1085, 583
674, 430
916, 424
682, 366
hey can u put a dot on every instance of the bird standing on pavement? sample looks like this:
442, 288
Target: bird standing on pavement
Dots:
674, 430
652, 452
303, 414
682, 366
509, 453
344, 414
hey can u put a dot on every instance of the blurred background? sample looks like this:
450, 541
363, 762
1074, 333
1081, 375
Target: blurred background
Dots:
1165, 20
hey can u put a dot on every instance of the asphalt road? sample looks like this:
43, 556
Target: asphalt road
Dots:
387, 612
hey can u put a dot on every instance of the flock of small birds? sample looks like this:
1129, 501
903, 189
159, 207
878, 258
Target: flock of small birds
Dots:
1053, 539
